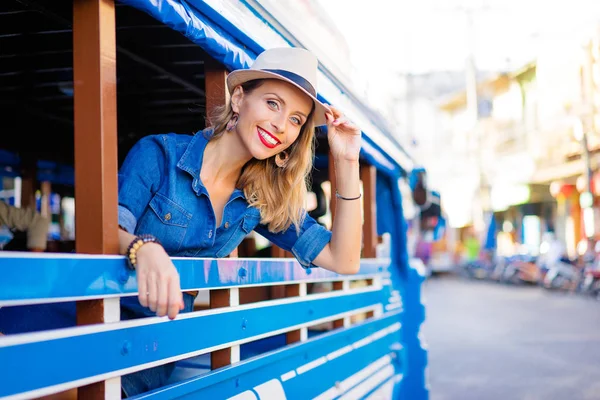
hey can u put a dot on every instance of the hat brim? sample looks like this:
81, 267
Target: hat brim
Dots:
240, 76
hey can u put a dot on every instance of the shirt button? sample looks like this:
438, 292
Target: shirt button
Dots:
226, 225
210, 234
167, 216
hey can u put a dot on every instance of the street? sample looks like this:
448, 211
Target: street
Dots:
492, 341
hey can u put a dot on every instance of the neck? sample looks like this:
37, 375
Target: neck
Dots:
223, 160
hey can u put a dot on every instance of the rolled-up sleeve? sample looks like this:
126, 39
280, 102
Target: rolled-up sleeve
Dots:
139, 178
305, 246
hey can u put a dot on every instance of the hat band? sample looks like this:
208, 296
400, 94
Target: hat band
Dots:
297, 79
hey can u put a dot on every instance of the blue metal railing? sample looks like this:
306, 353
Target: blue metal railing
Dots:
361, 358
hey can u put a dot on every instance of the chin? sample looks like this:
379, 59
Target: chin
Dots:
262, 156
261, 153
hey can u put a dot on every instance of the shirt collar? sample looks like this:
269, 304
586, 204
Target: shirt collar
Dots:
191, 160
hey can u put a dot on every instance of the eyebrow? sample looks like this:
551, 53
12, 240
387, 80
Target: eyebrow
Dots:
283, 101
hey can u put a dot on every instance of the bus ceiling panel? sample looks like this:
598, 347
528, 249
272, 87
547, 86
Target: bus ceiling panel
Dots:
11, 8
29, 25
33, 61
49, 9
27, 44
29, 82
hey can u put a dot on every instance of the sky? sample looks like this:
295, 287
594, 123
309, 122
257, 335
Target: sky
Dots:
429, 35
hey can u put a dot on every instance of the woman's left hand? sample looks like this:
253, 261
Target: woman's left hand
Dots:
344, 137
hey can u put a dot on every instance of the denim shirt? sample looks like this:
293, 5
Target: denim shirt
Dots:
160, 193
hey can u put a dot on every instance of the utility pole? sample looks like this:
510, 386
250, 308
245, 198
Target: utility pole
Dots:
585, 125
475, 135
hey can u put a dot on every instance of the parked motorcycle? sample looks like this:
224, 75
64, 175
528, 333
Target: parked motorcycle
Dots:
523, 270
562, 275
591, 280
481, 268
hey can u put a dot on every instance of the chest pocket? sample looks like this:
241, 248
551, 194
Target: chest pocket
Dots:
167, 220
244, 227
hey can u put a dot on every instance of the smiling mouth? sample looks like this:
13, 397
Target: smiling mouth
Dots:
267, 138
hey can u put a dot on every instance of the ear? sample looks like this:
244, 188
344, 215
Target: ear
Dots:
236, 98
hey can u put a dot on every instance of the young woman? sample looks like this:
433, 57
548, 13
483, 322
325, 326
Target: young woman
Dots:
200, 195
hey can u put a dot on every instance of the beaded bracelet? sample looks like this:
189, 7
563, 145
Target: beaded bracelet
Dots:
347, 198
134, 246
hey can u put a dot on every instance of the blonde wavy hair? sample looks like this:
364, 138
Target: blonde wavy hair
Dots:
278, 193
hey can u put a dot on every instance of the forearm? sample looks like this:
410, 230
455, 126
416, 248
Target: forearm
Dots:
125, 239
346, 239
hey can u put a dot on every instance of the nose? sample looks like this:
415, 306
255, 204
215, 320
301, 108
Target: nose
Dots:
278, 123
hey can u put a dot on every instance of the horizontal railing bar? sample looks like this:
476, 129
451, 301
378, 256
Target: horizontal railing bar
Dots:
129, 346
339, 355
97, 328
384, 390
28, 278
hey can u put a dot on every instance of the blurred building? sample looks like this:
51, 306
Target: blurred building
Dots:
525, 157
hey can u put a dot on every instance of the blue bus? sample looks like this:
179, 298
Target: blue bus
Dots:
80, 82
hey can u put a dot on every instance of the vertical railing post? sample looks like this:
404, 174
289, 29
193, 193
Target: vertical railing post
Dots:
300, 290
370, 314
343, 322
28, 184
96, 221
224, 298
368, 177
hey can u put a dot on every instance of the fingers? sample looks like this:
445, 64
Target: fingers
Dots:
329, 117
142, 288
175, 297
341, 120
163, 297
152, 291
337, 119
158, 282
335, 112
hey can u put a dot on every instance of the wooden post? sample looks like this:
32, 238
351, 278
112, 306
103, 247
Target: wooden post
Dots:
215, 86
96, 221
301, 334
343, 322
368, 177
28, 183
217, 95
278, 252
224, 298
370, 314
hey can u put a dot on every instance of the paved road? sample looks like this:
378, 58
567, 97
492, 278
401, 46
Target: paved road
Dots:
491, 341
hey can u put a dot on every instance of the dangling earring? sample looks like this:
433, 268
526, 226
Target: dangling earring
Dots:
232, 122
281, 159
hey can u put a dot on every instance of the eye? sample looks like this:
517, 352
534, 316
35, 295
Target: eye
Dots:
296, 120
273, 104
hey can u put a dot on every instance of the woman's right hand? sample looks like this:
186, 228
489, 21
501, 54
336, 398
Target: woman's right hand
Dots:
158, 281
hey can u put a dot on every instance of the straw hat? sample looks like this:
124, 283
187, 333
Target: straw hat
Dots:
290, 64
